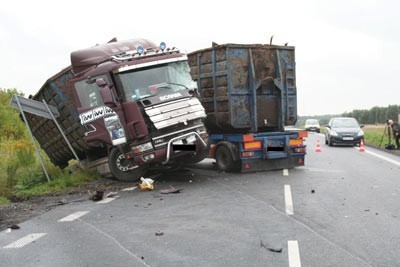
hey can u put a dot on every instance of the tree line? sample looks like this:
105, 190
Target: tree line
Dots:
375, 115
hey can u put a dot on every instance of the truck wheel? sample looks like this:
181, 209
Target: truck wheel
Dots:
121, 169
224, 159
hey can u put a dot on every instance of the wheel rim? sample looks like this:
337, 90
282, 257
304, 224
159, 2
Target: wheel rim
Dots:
123, 164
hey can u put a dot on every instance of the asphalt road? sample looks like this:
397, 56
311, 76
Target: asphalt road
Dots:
341, 209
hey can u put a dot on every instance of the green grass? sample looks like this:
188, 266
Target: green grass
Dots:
20, 172
4, 200
373, 135
59, 183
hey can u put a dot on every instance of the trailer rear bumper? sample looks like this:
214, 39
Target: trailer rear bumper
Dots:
251, 165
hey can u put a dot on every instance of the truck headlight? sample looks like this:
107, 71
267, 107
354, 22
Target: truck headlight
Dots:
142, 147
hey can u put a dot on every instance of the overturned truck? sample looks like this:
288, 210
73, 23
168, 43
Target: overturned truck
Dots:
125, 106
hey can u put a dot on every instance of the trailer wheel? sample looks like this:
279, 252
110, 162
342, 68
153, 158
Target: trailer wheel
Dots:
225, 162
121, 169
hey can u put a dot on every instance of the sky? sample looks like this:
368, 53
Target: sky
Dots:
347, 51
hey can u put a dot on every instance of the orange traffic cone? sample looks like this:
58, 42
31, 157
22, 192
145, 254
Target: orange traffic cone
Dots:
318, 149
362, 149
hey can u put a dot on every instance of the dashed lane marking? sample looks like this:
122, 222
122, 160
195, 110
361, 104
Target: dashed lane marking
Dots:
322, 237
73, 216
25, 240
285, 172
288, 200
129, 188
106, 200
319, 170
293, 253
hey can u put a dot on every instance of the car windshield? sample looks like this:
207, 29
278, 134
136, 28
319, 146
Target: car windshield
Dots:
162, 79
312, 122
345, 123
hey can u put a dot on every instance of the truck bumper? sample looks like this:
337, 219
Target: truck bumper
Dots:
167, 154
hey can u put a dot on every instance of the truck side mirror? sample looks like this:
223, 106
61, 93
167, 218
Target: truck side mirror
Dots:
105, 92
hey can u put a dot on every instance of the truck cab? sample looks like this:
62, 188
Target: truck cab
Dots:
133, 102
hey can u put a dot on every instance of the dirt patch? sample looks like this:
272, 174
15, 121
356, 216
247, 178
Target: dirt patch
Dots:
20, 210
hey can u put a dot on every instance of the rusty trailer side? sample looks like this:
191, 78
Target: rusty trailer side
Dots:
246, 88
54, 92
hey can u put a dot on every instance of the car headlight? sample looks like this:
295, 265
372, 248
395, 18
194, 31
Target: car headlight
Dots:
333, 133
360, 133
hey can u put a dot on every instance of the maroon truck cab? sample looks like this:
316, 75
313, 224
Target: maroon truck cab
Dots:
133, 102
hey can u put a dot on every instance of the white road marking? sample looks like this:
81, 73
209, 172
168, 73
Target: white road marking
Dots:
293, 253
25, 240
73, 216
395, 162
318, 170
320, 134
129, 188
266, 204
106, 200
288, 200
285, 172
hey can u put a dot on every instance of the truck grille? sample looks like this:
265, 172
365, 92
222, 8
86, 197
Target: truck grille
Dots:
175, 112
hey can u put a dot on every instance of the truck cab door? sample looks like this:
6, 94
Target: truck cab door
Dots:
100, 114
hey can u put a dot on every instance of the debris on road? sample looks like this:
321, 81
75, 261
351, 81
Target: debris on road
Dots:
171, 190
147, 184
14, 227
96, 196
312, 191
159, 233
273, 249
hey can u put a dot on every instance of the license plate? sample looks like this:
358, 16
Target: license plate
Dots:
348, 138
189, 140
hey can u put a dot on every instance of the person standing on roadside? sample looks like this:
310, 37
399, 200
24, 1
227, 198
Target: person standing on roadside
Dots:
396, 132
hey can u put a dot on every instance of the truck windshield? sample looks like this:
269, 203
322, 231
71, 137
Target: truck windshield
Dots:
157, 80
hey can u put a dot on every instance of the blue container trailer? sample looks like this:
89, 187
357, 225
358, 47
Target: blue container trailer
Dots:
249, 94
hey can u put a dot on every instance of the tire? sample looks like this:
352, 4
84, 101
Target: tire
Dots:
225, 162
330, 142
326, 140
120, 168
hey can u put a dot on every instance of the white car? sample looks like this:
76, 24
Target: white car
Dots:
312, 125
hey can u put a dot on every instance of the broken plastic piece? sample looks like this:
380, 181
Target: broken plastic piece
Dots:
147, 184
159, 233
172, 190
273, 249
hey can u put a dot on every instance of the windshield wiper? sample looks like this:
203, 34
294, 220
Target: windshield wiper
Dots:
179, 84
